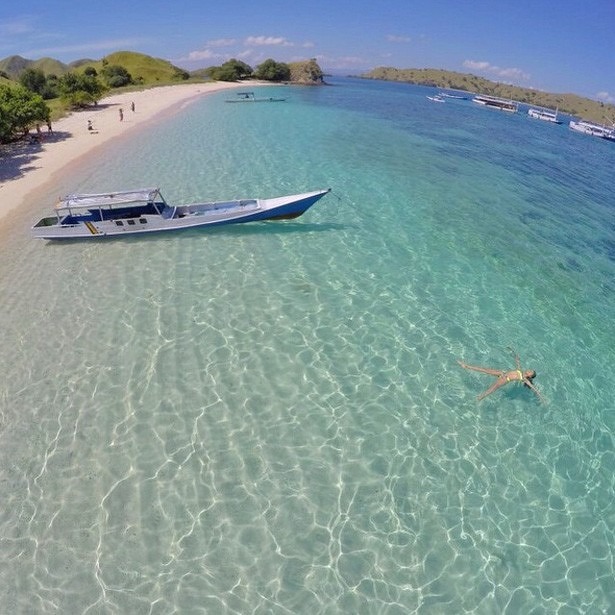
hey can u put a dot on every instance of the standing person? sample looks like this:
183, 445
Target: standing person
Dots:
132, 106
121, 114
49, 128
505, 376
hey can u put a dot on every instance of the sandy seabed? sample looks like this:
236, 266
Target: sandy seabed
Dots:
27, 166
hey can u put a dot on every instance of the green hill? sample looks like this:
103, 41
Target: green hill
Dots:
13, 65
568, 103
143, 68
49, 66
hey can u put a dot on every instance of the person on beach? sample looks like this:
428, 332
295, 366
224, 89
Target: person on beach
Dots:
132, 106
505, 376
49, 127
121, 114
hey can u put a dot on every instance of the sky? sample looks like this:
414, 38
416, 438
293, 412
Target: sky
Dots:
564, 46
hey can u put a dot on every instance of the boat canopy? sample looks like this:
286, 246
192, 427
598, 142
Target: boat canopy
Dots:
143, 195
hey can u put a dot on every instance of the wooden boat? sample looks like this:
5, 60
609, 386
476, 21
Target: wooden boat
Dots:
134, 212
496, 103
250, 97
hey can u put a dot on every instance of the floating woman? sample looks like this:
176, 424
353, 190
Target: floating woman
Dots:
505, 376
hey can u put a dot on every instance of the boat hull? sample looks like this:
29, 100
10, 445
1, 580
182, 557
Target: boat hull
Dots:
139, 220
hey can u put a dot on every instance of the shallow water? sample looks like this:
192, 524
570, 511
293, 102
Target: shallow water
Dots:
270, 418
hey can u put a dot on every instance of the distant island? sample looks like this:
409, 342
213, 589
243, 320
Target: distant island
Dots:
449, 80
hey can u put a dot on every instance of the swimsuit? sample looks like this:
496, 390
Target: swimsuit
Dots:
508, 378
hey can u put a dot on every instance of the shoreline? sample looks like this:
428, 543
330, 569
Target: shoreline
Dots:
27, 166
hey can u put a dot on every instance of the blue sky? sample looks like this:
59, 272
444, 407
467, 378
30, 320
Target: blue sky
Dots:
565, 46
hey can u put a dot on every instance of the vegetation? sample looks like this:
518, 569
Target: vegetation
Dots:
568, 103
78, 90
270, 70
115, 75
307, 72
233, 70
35, 80
19, 110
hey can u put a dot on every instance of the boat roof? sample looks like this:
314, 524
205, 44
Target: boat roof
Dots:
108, 199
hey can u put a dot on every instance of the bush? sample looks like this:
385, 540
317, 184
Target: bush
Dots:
233, 70
116, 76
270, 70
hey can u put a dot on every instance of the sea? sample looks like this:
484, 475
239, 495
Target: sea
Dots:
270, 418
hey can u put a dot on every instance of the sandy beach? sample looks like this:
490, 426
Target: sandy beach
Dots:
28, 165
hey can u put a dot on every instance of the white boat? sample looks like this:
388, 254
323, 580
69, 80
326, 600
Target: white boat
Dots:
544, 114
436, 98
595, 130
496, 103
457, 96
145, 211
250, 97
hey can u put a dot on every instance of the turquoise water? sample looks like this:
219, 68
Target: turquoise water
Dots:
270, 418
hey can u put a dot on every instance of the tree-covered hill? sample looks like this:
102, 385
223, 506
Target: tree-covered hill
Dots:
568, 103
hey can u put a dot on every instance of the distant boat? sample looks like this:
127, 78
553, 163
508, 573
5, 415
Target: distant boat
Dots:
496, 103
436, 98
145, 211
595, 130
457, 96
544, 114
250, 97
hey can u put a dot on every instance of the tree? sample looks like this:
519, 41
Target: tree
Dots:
271, 70
233, 70
79, 89
20, 109
116, 76
34, 80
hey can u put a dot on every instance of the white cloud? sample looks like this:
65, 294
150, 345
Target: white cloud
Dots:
514, 74
204, 54
392, 38
605, 97
17, 27
268, 40
221, 42
474, 65
341, 62
104, 45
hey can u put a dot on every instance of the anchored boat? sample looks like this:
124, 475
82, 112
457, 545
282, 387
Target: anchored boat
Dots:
250, 97
145, 211
496, 103
546, 115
